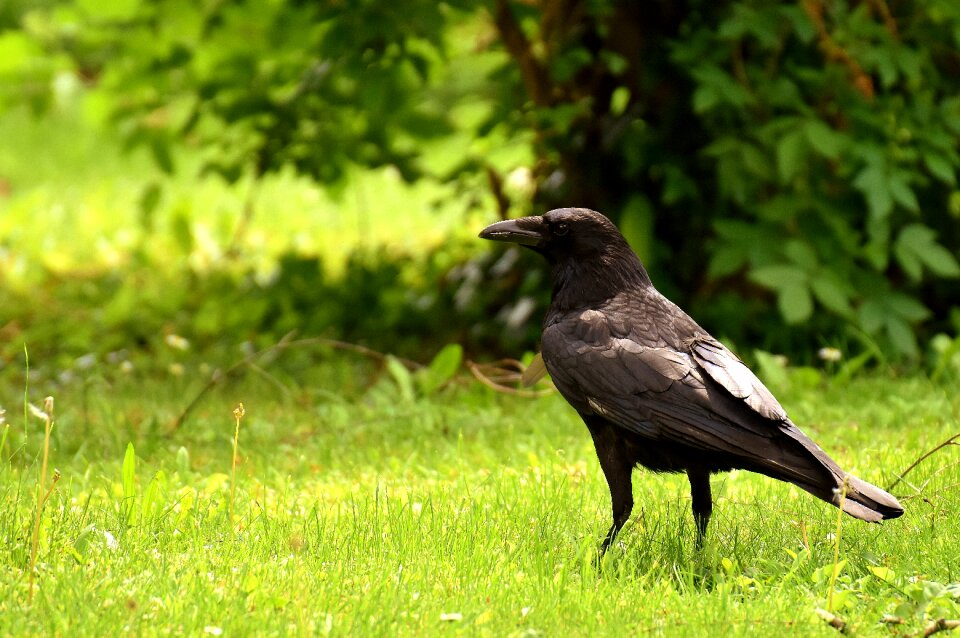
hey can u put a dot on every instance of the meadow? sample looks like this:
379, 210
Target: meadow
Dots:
360, 507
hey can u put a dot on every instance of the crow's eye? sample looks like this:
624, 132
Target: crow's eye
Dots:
561, 229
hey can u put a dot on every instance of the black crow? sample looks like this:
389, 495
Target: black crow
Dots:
653, 387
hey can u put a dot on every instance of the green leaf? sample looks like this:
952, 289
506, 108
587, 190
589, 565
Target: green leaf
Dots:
902, 193
723, 85
615, 62
569, 63
877, 250
940, 261
883, 573
831, 294
747, 21
872, 182
726, 260
183, 461
801, 253
441, 369
129, 475
109, 9
779, 276
153, 496
402, 377
795, 303
852, 366
917, 245
160, 150
906, 307
129, 471
824, 139
619, 100
909, 262
704, 99
940, 167
82, 542
756, 161
799, 21
872, 315
773, 370
149, 200
182, 231
901, 336
791, 156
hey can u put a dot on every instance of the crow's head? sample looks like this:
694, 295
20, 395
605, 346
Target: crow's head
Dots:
564, 233
590, 260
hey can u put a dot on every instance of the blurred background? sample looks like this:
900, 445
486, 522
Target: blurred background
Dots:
206, 174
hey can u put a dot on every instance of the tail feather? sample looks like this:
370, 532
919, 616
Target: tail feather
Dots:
821, 476
867, 502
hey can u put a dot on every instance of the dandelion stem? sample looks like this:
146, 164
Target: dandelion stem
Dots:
836, 542
238, 413
47, 416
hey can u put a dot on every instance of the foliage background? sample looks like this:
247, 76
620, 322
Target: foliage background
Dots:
773, 163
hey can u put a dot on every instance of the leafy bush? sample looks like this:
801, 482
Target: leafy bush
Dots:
771, 161
809, 149
392, 303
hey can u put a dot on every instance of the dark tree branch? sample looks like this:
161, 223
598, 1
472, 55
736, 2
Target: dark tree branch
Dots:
535, 78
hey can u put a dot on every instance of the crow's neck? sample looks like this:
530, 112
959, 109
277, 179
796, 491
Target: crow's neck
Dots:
590, 282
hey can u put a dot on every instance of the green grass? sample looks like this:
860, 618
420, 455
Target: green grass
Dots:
464, 513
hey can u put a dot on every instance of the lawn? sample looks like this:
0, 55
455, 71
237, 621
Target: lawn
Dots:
360, 509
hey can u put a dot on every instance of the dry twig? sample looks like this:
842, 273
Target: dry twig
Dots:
286, 342
834, 52
832, 619
498, 374
953, 440
940, 624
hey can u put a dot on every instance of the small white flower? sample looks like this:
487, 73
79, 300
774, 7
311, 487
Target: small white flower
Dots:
451, 617
37, 412
111, 540
177, 342
521, 180
829, 354
212, 630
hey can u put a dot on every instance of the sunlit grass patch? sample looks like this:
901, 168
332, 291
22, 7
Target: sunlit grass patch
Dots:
464, 511
81, 209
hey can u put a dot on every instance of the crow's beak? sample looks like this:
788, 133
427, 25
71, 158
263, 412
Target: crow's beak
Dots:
527, 231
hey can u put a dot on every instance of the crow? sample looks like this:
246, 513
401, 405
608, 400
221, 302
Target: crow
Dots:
653, 387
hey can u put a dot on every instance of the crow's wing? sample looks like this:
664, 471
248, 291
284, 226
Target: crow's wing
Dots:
668, 395
729, 371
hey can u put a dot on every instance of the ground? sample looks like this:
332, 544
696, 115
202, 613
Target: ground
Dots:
362, 510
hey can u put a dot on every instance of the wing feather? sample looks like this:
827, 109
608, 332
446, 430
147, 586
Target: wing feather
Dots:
662, 394
735, 377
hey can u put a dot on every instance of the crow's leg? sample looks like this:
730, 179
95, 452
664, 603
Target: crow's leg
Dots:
702, 501
618, 471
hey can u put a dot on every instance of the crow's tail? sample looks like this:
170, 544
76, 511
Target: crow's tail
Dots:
821, 476
867, 502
